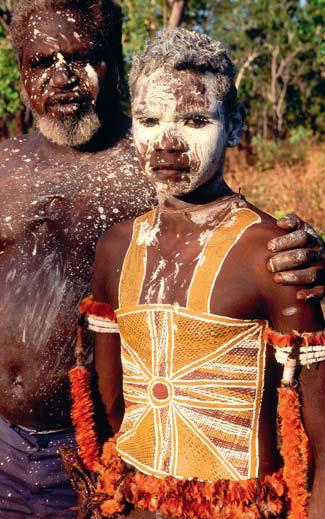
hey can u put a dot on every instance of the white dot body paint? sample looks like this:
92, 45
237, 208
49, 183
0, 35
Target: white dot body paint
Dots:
60, 61
164, 96
290, 310
92, 76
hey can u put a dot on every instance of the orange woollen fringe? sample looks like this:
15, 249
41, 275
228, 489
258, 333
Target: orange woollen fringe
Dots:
82, 416
119, 484
294, 441
294, 338
89, 306
294, 451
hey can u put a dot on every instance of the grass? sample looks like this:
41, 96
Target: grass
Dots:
283, 188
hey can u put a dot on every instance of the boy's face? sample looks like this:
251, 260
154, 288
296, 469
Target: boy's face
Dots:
180, 129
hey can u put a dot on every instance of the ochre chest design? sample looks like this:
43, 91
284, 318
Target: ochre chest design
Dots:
192, 381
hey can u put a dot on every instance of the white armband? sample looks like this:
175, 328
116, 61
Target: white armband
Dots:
101, 324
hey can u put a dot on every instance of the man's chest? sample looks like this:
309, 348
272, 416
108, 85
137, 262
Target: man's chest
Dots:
56, 201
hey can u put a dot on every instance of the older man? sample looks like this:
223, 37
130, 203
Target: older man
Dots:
63, 186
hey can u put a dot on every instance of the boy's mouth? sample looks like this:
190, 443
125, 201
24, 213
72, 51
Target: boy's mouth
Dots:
170, 172
171, 167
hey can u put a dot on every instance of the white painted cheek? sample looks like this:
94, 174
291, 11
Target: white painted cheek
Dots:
145, 136
206, 147
60, 61
144, 140
92, 77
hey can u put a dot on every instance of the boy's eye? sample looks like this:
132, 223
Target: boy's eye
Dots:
149, 121
196, 122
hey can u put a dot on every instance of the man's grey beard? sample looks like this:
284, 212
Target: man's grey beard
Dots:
72, 131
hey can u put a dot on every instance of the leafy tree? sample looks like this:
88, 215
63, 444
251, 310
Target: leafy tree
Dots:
10, 103
276, 45
273, 43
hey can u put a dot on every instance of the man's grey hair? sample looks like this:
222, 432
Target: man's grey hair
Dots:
181, 49
104, 15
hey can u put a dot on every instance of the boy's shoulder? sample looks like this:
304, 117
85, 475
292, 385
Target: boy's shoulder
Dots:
116, 239
111, 250
251, 252
263, 230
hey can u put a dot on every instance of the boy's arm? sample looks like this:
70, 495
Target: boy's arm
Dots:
107, 266
109, 371
285, 314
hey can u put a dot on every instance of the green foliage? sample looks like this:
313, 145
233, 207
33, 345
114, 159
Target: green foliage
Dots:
276, 44
300, 134
281, 213
269, 152
10, 101
265, 152
140, 21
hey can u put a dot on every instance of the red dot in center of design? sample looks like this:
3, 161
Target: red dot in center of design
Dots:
160, 391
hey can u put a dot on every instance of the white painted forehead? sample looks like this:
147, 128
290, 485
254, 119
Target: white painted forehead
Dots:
171, 79
167, 86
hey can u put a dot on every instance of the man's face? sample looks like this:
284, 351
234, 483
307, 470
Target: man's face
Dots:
62, 72
180, 129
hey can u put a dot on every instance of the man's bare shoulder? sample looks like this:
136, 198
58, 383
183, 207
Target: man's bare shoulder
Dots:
121, 151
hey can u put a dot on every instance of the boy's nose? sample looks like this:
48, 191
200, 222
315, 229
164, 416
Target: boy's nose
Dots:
170, 142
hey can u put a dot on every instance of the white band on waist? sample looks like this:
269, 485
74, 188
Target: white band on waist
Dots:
101, 324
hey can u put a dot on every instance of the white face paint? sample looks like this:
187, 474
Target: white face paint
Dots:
92, 76
179, 128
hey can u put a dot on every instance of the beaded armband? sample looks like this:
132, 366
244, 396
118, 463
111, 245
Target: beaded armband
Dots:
295, 349
100, 316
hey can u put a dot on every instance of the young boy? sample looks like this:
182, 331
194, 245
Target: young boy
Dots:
193, 337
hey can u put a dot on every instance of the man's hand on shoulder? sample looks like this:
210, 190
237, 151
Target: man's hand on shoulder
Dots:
299, 257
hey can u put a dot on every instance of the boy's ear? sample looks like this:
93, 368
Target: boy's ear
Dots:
236, 124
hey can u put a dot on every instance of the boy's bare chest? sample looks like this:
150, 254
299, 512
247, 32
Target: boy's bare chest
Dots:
203, 266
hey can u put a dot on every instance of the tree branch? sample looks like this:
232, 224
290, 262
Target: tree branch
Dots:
176, 15
250, 58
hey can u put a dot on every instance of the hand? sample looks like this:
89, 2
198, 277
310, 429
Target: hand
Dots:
301, 247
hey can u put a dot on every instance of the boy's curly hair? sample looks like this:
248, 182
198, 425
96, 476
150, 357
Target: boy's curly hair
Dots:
182, 49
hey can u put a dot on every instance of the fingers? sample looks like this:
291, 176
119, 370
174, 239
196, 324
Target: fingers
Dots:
298, 277
311, 293
292, 259
288, 241
290, 222
315, 236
